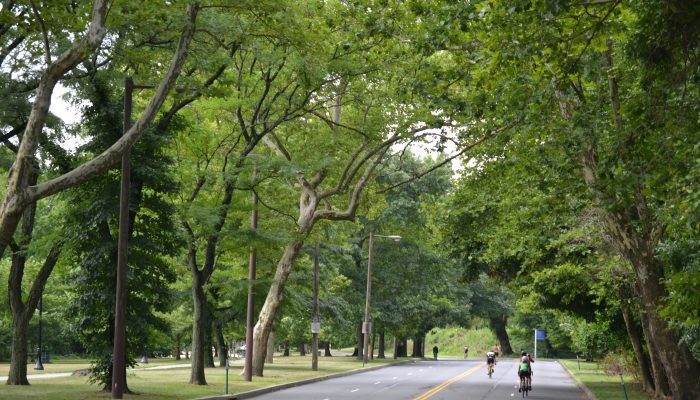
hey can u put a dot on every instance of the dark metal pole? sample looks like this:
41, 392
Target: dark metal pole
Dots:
226, 390
315, 321
624, 389
39, 366
119, 352
251, 295
366, 326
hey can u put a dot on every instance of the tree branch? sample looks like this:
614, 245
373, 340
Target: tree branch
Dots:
113, 154
44, 34
459, 153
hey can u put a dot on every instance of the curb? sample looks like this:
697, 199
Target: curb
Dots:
269, 389
580, 385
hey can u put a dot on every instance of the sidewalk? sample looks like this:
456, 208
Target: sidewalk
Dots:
160, 367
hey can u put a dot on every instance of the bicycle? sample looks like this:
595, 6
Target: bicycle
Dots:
490, 370
524, 388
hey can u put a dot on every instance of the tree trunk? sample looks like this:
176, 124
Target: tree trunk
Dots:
327, 349
632, 332
208, 354
419, 347
360, 343
401, 347
178, 346
635, 233
674, 355
222, 349
286, 349
665, 348
381, 345
395, 347
660, 381
22, 312
638, 249
18, 359
301, 348
269, 357
274, 296
371, 347
498, 325
198, 330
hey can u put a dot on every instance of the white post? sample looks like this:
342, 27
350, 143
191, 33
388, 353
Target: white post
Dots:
535, 343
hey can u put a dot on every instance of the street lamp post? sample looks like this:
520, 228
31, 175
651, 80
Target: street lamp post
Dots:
366, 325
39, 365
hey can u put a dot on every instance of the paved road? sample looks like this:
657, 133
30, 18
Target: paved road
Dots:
439, 380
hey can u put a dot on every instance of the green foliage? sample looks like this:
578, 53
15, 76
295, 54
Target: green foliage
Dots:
452, 340
593, 340
94, 209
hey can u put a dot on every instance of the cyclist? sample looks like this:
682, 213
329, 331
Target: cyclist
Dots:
490, 361
529, 378
496, 350
525, 369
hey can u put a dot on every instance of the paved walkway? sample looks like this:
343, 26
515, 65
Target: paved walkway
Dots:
40, 375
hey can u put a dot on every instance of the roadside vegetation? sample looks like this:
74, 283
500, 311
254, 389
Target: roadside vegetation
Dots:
606, 385
504, 167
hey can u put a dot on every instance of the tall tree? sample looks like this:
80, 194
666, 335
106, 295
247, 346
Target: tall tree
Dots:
20, 193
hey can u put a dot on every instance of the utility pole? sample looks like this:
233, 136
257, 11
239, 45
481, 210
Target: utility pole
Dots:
248, 369
366, 326
119, 351
315, 321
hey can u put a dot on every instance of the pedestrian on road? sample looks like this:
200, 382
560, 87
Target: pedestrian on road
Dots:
466, 352
435, 351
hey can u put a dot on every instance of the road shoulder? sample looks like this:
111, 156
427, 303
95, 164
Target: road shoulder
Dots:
580, 385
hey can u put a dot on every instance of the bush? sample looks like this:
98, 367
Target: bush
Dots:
593, 340
617, 363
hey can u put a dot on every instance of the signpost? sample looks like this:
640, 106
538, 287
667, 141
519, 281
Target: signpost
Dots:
539, 335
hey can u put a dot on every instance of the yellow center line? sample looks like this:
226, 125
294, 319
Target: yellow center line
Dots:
447, 383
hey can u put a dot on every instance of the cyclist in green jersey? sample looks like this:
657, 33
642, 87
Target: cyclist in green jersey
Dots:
525, 368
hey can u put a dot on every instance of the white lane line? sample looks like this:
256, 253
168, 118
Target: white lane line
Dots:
410, 373
354, 390
394, 378
377, 382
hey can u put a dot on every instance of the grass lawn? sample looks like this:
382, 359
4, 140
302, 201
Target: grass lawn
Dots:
73, 364
605, 387
172, 383
60, 365
451, 342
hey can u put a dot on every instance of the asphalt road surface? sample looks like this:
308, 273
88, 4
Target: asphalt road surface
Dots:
439, 380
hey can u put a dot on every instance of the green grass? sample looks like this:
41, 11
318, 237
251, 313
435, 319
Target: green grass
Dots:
605, 387
451, 341
63, 365
172, 383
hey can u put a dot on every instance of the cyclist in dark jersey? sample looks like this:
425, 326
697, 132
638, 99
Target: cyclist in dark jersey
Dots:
490, 360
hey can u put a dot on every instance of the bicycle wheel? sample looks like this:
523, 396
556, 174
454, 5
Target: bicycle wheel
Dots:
523, 386
490, 371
